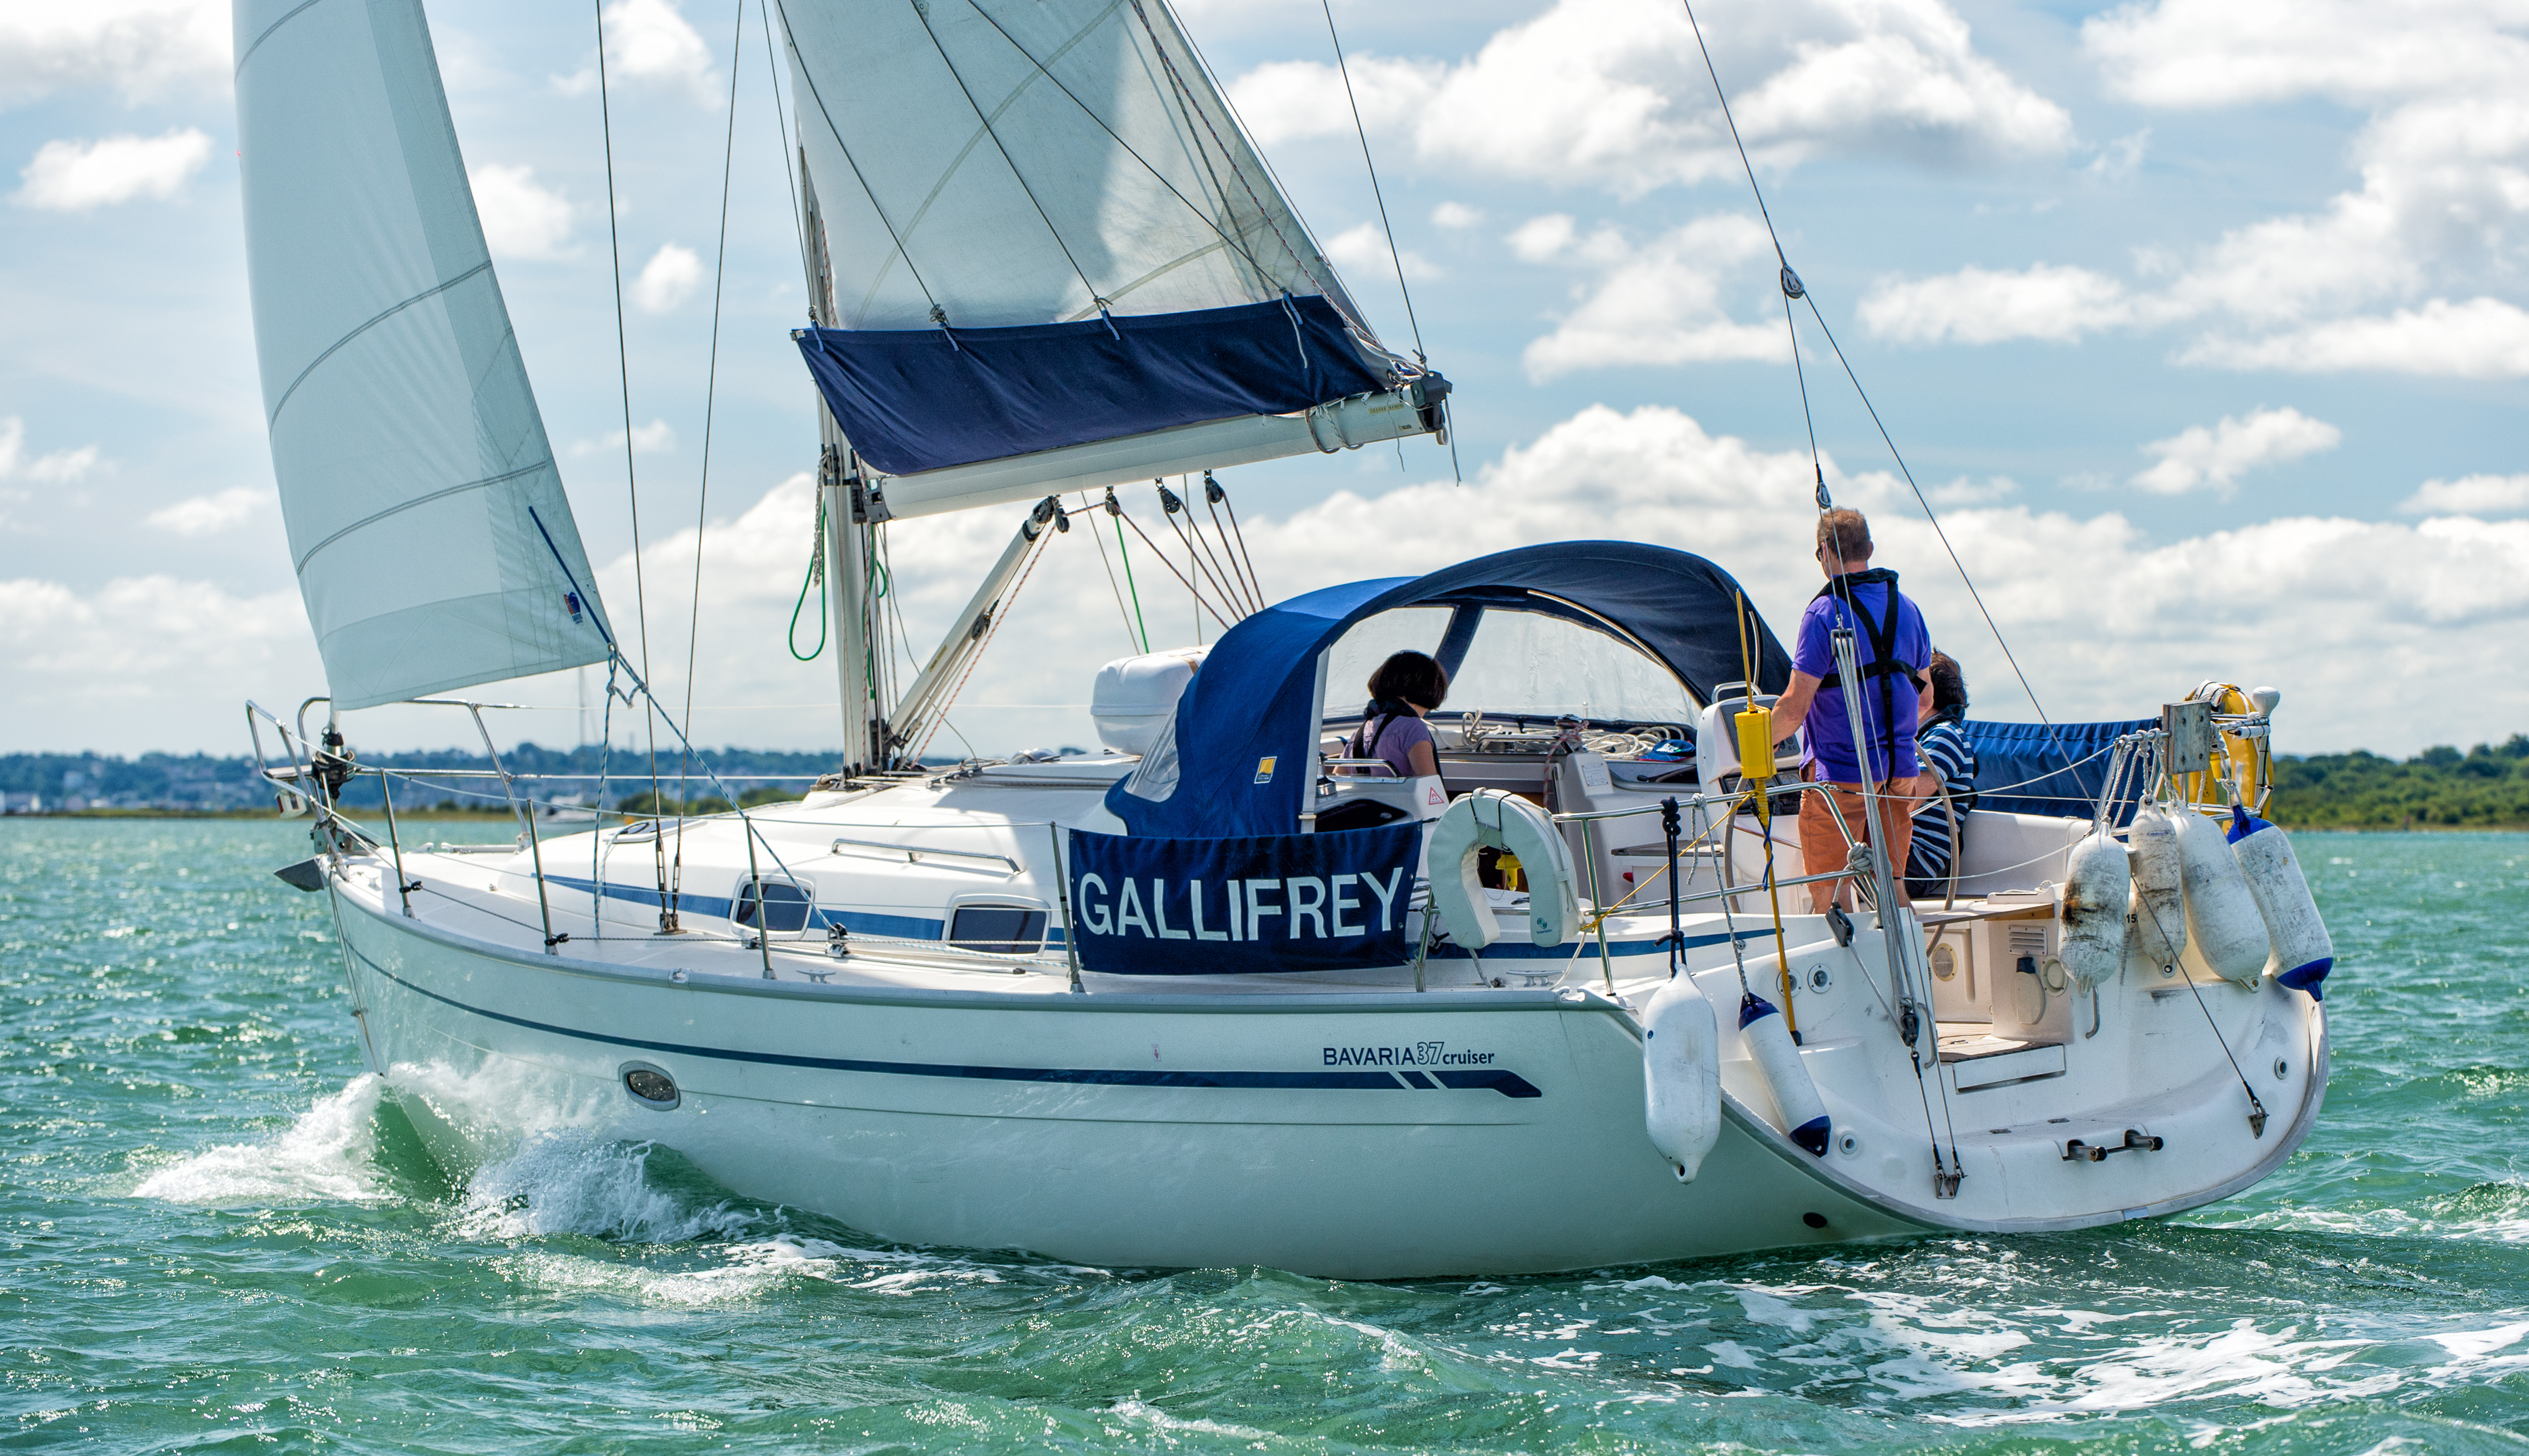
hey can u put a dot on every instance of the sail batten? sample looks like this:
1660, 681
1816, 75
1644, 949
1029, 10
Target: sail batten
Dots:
433, 543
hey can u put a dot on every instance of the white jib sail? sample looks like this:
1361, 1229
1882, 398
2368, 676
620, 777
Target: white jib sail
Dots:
433, 543
1021, 161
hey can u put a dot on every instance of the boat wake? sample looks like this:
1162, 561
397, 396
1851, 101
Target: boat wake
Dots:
326, 1154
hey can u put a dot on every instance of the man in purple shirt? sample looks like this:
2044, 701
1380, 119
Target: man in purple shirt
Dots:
1892, 647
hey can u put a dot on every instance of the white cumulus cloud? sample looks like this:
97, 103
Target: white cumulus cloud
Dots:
521, 218
1666, 301
1979, 305
59, 467
2213, 458
1613, 93
77, 176
2480, 338
667, 279
2470, 495
1364, 248
143, 50
1455, 215
650, 42
657, 437
2364, 280
204, 516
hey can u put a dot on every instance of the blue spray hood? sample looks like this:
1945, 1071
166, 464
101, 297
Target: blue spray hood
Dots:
1234, 759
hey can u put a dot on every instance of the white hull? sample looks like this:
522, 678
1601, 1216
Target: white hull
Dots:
1193, 1125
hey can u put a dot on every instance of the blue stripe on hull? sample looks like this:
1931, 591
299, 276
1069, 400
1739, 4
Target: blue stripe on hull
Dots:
1508, 1084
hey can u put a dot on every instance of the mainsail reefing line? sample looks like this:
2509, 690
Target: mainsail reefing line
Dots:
432, 540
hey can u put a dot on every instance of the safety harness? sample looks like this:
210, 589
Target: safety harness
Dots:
1884, 663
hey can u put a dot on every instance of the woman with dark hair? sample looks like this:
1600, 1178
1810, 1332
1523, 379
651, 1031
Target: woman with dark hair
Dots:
1947, 784
1406, 687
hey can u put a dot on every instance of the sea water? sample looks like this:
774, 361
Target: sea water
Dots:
220, 1234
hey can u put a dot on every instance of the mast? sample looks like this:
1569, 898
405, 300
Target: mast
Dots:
848, 530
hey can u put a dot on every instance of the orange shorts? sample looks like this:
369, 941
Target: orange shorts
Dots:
1822, 846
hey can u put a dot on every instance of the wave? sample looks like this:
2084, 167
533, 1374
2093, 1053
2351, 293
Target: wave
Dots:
326, 1154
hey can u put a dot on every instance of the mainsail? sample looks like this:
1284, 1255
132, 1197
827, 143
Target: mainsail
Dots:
1054, 261
433, 543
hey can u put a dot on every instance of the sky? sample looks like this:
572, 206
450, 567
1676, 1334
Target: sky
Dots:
2202, 325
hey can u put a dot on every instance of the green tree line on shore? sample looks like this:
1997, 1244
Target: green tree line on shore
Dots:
2485, 788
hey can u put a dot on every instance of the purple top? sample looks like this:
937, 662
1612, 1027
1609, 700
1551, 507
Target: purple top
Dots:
1391, 741
1830, 730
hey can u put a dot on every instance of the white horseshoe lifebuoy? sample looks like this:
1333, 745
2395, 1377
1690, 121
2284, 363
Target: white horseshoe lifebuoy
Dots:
1492, 819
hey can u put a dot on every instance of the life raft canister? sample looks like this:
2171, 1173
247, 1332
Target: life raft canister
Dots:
1681, 1075
2156, 914
1769, 1041
2097, 884
2223, 922
1492, 819
2303, 951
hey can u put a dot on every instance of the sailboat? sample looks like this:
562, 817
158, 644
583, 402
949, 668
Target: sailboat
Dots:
1221, 994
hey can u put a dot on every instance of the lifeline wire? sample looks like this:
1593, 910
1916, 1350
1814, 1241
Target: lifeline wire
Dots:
631, 480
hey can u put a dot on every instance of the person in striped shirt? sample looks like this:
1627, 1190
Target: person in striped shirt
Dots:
1949, 769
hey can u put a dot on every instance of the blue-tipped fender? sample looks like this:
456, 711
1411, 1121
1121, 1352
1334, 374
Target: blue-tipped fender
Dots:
2303, 951
1682, 1075
2223, 928
1796, 1099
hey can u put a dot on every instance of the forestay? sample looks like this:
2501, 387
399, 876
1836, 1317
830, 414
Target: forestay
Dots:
1044, 229
427, 524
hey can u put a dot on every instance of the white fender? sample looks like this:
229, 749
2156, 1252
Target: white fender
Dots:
1681, 1075
2156, 912
1769, 1041
2222, 921
2097, 882
1490, 818
2303, 951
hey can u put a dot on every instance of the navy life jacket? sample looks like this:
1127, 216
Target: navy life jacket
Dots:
1883, 663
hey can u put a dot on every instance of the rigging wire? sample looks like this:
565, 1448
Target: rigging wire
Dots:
1188, 104
632, 479
1877, 804
711, 400
921, 12
789, 158
1116, 509
938, 314
1228, 239
1188, 533
1792, 288
1117, 512
1112, 584
1394, 257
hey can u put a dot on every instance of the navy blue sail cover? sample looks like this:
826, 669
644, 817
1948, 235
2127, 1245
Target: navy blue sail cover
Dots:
1239, 746
2038, 768
914, 400
1266, 903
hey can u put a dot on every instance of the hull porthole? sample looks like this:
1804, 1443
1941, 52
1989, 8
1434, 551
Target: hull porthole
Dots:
649, 1086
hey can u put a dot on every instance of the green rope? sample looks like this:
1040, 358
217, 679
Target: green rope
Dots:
817, 579
1130, 587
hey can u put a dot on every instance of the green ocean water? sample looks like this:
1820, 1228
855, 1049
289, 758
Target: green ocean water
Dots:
217, 1236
